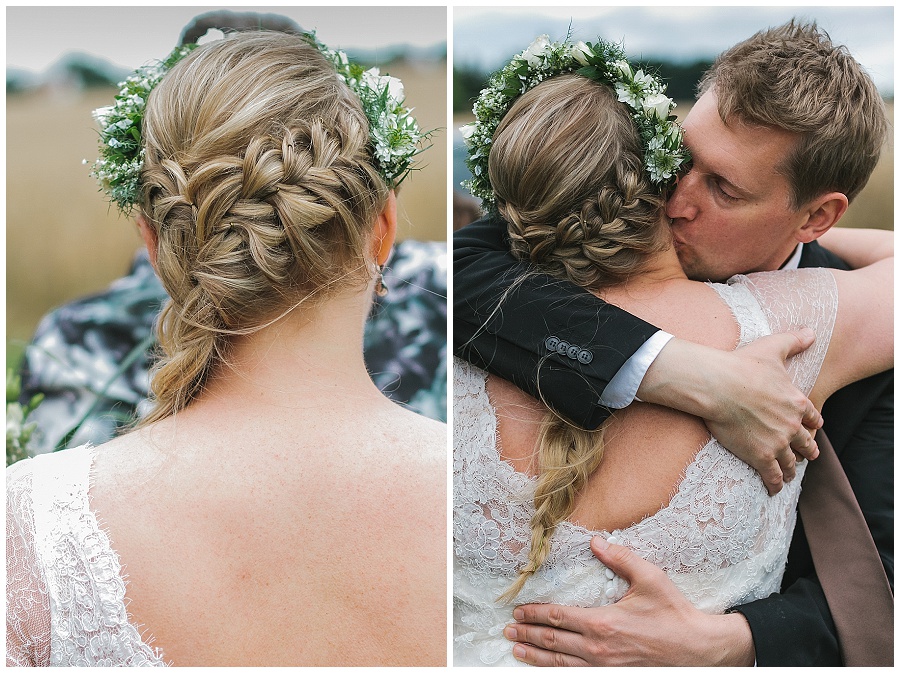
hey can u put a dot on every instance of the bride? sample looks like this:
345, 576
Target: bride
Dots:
274, 498
576, 166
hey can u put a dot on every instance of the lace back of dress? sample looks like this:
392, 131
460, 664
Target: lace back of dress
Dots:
72, 581
27, 602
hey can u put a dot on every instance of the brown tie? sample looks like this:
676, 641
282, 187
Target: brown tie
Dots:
847, 563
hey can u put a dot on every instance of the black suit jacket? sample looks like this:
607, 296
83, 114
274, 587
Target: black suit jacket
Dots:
794, 627
527, 331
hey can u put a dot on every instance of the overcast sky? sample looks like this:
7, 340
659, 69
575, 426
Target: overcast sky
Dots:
486, 37
36, 37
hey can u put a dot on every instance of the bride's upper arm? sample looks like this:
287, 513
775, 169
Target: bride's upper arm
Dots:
862, 343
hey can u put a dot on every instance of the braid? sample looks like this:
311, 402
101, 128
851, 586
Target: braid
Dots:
567, 168
604, 241
253, 215
568, 455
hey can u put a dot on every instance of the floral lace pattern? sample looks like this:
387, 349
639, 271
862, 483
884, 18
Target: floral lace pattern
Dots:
65, 591
721, 539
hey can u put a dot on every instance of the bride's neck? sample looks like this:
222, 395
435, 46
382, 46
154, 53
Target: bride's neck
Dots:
661, 267
314, 352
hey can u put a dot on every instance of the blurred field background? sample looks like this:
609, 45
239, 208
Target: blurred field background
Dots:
63, 239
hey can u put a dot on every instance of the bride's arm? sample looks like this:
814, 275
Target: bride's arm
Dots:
859, 247
862, 342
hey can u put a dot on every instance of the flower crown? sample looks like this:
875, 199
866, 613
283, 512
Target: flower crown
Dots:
603, 62
394, 132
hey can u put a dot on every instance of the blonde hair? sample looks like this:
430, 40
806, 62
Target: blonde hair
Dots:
260, 186
794, 78
566, 165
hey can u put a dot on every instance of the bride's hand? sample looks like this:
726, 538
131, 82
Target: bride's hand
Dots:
653, 625
746, 398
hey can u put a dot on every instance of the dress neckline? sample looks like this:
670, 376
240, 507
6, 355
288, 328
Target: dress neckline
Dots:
678, 492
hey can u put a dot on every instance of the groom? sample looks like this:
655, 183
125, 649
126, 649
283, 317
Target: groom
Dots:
786, 132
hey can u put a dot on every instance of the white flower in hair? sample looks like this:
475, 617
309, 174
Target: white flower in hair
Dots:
623, 69
537, 50
467, 132
659, 105
581, 52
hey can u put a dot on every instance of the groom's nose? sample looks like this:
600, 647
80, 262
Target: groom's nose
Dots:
682, 203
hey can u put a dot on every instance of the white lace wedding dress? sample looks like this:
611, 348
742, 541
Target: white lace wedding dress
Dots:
721, 539
65, 591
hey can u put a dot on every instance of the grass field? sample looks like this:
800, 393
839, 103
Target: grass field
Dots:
64, 241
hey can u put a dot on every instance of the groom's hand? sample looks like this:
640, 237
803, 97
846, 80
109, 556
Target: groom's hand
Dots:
653, 625
762, 418
746, 397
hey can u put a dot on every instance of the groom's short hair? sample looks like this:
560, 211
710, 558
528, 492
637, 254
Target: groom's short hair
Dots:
793, 78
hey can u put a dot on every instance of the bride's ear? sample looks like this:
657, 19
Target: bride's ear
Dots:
148, 234
385, 230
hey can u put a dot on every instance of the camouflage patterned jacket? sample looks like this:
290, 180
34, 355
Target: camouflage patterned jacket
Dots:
91, 358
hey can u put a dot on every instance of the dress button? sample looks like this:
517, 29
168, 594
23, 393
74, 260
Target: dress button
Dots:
551, 343
610, 574
573, 352
611, 592
562, 347
585, 357
612, 539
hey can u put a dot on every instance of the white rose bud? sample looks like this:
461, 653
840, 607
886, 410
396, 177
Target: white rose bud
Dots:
624, 69
537, 49
467, 132
580, 52
657, 104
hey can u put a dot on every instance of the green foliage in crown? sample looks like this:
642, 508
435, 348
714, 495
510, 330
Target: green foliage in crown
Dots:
121, 149
395, 135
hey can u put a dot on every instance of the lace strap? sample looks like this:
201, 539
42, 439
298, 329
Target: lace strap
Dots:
60, 500
795, 299
89, 621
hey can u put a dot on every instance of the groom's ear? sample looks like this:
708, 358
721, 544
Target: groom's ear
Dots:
822, 214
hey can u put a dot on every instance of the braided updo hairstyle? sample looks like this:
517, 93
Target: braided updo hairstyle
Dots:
260, 186
566, 165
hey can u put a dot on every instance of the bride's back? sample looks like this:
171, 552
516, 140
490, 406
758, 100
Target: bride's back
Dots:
646, 448
309, 544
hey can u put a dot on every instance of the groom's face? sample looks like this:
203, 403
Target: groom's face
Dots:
732, 212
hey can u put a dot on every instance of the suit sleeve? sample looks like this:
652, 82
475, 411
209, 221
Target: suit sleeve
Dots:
549, 337
795, 628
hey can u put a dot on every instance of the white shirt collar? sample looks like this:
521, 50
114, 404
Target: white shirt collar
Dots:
794, 261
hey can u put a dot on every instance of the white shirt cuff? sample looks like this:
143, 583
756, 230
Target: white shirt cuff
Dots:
622, 390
